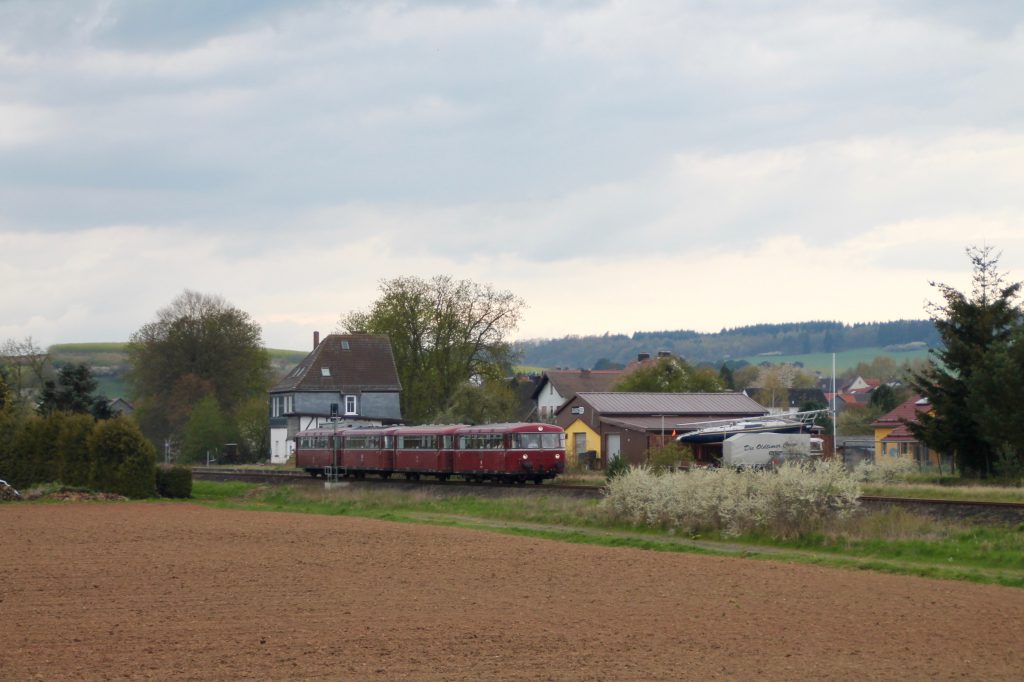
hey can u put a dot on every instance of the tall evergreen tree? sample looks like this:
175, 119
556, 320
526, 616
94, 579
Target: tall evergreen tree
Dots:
971, 327
73, 392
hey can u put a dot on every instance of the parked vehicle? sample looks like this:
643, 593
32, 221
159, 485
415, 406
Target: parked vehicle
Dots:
514, 453
765, 450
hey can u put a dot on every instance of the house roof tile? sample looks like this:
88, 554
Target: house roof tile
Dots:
569, 382
353, 363
905, 411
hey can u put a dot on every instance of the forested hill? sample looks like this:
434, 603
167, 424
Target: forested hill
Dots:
795, 338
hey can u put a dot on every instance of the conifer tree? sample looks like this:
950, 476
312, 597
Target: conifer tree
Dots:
971, 327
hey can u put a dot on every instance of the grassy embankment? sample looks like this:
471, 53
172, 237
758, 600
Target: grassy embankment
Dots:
892, 541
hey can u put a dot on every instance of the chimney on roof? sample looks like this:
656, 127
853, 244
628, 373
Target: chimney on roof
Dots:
316, 339
640, 357
664, 353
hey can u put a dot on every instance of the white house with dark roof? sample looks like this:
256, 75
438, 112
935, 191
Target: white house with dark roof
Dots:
557, 386
348, 379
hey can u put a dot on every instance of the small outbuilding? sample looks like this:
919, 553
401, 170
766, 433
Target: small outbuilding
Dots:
613, 424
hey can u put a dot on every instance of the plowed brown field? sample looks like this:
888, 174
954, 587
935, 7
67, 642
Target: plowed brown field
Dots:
172, 591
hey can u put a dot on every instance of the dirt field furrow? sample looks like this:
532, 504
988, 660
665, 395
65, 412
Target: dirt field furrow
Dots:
168, 591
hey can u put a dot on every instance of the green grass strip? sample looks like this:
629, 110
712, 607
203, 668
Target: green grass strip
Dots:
977, 554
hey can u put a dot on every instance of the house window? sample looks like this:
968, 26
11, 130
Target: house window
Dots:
344, 345
281, 405
350, 404
325, 371
334, 409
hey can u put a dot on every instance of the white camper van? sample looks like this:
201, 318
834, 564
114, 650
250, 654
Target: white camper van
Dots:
766, 450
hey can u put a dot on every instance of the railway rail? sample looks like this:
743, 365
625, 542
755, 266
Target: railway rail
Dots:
974, 510
394, 482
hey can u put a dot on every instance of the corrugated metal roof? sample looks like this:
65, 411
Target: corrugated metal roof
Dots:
353, 363
681, 404
671, 423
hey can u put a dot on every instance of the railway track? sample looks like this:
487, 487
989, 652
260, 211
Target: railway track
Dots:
974, 510
395, 482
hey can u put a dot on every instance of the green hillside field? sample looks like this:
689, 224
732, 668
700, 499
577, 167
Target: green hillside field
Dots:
822, 362
109, 363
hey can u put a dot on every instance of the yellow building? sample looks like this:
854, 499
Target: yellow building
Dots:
581, 438
894, 439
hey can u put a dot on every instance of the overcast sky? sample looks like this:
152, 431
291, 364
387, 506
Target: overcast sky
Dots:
621, 166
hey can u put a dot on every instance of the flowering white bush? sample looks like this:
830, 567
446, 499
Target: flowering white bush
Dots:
792, 500
886, 470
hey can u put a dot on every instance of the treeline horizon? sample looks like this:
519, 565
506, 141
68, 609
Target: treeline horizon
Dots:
790, 338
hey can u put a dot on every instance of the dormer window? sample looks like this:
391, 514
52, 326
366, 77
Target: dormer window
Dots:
325, 371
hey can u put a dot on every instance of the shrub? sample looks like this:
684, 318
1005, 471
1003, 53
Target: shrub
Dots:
669, 457
124, 462
174, 482
886, 470
73, 449
32, 457
795, 499
616, 467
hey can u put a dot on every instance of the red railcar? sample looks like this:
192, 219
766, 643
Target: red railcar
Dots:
517, 452
425, 450
501, 452
317, 449
368, 450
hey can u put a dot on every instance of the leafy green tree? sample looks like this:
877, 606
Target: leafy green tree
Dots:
124, 462
207, 431
73, 392
971, 327
884, 398
856, 420
669, 375
6, 395
726, 378
197, 345
745, 377
774, 390
444, 332
253, 423
25, 367
492, 401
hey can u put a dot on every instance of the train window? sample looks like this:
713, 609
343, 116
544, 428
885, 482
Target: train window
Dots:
389, 442
552, 441
417, 442
530, 441
448, 442
481, 441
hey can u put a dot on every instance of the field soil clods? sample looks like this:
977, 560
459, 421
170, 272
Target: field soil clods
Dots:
178, 591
